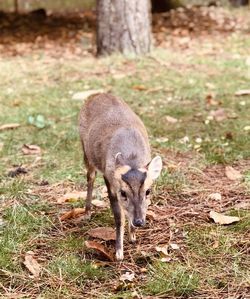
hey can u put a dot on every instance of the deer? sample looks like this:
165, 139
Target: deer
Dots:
115, 143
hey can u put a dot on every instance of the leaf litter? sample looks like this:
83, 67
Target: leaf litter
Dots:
74, 213
31, 264
232, 174
10, 126
104, 233
31, 149
223, 219
100, 248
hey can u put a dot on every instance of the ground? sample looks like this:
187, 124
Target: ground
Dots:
184, 91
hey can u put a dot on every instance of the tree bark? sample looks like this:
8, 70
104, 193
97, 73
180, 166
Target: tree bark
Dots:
123, 26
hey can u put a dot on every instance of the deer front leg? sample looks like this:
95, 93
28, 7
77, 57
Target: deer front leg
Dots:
119, 222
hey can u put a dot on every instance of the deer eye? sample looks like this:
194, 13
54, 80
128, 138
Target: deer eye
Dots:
123, 194
147, 192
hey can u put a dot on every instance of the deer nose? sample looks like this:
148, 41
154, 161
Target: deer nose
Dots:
138, 222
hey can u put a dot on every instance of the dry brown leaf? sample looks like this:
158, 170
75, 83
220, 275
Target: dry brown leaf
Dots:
100, 203
139, 87
163, 249
151, 215
127, 276
215, 196
31, 264
216, 244
223, 219
101, 249
166, 259
72, 196
104, 233
174, 246
243, 92
232, 174
83, 95
31, 149
171, 119
74, 213
219, 115
9, 126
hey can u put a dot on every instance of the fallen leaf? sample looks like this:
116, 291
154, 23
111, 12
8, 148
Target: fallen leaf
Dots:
223, 219
83, 95
31, 264
246, 128
210, 85
17, 171
219, 115
174, 246
143, 270
104, 233
162, 139
151, 215
9, 126
232, 173
127, 276
215, 196
155, 89
210, 99
100, 203
31, 149
139, 87
184, 140
171, 119
101, 249
163, 249
74, 213
216, 244
72, 196
166, 259
243, 92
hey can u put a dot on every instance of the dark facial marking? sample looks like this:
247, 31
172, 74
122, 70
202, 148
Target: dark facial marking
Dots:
134, 178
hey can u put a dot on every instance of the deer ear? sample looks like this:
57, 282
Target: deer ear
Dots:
154, 167
119, 161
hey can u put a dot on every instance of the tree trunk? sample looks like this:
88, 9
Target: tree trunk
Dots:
16, 6
123, 26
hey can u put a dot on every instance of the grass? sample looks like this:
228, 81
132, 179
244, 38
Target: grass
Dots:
172, 279
212, 259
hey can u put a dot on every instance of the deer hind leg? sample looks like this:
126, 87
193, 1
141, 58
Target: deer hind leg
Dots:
91, 175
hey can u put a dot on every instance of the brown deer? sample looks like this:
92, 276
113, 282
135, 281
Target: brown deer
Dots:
115, 142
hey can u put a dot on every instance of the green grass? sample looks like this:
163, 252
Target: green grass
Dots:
20, 223
173, 278
72, 268
29, 219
